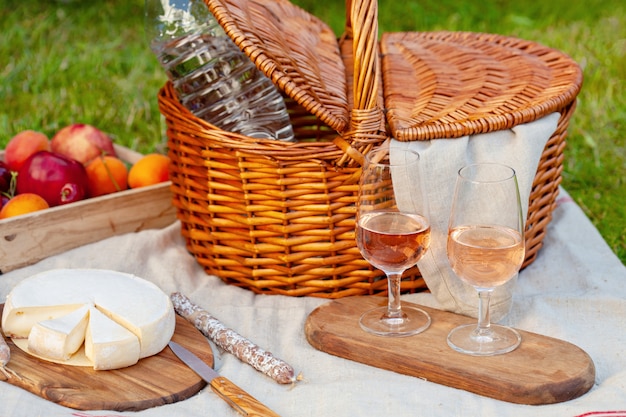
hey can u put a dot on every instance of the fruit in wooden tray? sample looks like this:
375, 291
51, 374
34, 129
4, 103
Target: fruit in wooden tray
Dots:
82, 142
23, 204
22, 146
150, 169
78, 163
105, 175
56, 178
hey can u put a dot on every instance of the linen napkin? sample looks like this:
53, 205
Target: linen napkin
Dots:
440, 160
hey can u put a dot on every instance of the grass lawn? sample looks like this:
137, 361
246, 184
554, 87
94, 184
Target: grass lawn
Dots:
71, 61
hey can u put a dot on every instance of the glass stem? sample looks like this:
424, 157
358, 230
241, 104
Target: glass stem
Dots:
484, 319
393, 300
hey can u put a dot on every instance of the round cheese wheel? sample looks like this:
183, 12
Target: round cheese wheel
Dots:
120, 317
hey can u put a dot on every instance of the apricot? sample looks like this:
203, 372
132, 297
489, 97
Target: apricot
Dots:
23, 204
22, 146
150, 169
105, 175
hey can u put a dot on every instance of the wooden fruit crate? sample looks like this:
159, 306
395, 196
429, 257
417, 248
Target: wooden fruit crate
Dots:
30, 238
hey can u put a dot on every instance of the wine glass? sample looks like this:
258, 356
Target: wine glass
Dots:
392, 233
485, 248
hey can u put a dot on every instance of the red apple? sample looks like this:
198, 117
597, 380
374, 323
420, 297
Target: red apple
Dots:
56, 178
22, 146
82, 142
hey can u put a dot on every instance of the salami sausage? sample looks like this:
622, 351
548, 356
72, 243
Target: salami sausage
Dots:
233, 342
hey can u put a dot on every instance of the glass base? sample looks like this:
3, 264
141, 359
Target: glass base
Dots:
413, 321
498, 340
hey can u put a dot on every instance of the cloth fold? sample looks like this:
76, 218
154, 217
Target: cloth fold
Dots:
440, 159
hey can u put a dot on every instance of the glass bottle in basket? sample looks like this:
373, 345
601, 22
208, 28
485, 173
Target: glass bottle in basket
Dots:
214, 79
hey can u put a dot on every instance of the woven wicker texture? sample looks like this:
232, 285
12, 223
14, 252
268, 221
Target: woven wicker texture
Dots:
278, 218
280, 47
466, 83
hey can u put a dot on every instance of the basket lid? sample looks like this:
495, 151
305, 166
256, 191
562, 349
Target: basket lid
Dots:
296, 50
452, 84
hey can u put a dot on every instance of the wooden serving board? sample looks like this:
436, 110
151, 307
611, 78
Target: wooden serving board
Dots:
153, 381
542, 370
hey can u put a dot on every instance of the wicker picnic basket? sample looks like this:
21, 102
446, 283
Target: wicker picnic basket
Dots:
279, 218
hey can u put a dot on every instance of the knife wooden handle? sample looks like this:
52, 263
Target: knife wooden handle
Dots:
240, 400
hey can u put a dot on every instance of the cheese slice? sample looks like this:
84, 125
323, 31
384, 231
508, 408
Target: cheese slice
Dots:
109, 345
137, 305
17, 322
60, 338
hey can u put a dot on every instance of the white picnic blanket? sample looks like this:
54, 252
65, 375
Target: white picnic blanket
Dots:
575, 290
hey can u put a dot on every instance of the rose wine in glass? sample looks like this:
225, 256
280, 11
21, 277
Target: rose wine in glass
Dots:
485, 249
392, 233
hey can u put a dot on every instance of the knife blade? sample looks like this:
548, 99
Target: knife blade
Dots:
244, 403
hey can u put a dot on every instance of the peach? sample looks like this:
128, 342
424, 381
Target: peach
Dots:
22, 146
82, 142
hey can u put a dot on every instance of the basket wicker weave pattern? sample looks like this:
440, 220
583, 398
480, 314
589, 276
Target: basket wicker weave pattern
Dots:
279, 47
278, 218
468, 83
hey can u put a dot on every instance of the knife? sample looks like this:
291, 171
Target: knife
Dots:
244, 403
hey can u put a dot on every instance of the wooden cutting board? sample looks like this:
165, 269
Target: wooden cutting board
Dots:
542, 370
153, 381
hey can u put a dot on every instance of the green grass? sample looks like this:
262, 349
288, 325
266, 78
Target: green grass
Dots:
84, 61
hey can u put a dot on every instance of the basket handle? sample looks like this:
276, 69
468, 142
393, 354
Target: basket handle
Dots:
367, 124
362, 27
